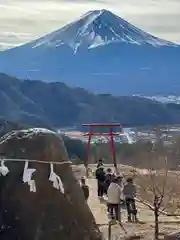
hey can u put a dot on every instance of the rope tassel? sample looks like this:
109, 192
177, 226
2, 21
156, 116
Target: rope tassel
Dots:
3, 169
27, 175
57, 183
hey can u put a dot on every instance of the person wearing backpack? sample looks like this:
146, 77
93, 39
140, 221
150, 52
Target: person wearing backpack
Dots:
101, 177
113, 202
108, 180
129, 192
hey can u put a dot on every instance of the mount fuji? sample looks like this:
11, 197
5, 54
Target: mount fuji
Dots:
100, 52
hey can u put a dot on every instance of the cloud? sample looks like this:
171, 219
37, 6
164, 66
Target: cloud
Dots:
25, 20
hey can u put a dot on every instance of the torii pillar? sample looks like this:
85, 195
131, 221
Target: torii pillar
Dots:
111, 134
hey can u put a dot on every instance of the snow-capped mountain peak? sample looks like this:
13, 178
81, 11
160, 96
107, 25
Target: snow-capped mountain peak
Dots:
97, 28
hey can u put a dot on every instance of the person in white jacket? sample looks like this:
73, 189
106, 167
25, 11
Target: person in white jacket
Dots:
114, 194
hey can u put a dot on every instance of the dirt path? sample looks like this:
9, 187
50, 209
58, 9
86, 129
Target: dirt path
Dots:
144, 228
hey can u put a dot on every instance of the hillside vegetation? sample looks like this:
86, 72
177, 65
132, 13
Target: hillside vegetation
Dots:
56, 105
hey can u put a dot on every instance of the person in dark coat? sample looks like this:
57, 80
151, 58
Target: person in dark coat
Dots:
100, 163
101, 177
85, 188
109, 178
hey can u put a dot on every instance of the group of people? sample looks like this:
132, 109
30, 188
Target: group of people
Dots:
117, 189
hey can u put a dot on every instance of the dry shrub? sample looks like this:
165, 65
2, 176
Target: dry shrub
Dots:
168, 185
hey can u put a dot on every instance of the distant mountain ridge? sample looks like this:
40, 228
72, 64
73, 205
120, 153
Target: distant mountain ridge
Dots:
40, 104
102, 53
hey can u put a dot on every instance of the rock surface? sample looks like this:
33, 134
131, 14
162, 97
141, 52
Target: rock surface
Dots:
47, 213
172, 236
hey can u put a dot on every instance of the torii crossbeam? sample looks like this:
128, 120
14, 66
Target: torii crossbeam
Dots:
111, 134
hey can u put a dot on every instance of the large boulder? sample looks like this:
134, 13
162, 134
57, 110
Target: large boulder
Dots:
47, 214
172, 236
7, 126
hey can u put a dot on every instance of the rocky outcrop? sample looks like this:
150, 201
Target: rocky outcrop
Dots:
172, 236
7, 126
46, 214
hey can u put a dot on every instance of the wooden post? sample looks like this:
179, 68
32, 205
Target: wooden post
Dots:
87, 152
119, 213
109, 230
113, 148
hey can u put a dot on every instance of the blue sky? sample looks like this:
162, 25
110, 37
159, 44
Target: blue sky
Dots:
25, 20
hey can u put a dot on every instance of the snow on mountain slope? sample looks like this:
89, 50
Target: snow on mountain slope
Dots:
102, 53
97, 28
163, 99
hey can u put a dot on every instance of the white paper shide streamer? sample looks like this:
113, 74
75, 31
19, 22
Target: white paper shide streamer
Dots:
3, 169
57, 183
27, 175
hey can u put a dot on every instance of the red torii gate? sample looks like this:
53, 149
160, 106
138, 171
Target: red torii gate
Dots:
111, 134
